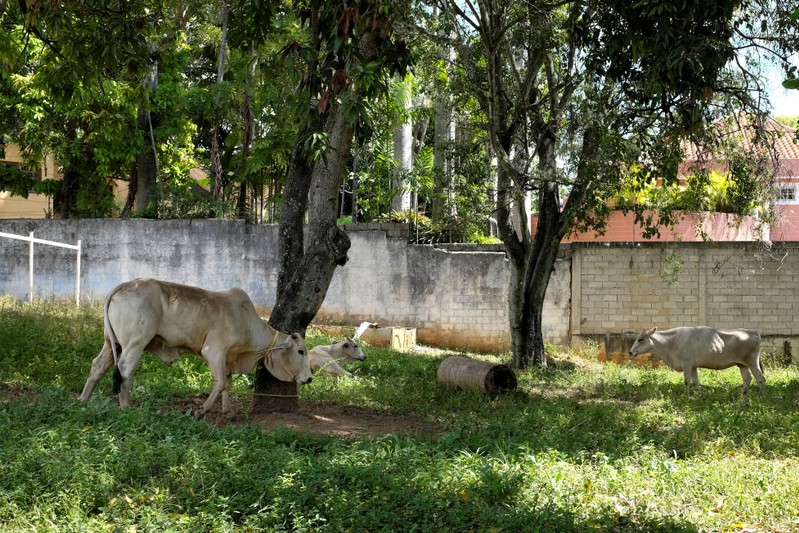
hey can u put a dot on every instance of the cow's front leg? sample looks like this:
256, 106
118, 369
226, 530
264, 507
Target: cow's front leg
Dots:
695, 380
688, 377
226, 407
219, 373
686, 373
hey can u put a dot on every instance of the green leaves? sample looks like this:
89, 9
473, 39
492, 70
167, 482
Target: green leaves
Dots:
15, 180
791, 84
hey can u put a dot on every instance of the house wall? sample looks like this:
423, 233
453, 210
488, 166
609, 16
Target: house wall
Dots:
456, 297
690, 227
787, 226
35, 205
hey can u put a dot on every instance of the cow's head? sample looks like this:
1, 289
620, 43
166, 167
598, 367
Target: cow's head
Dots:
643, 342
352, 350
288, 360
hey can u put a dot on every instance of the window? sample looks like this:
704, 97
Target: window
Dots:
787, 194
33, 174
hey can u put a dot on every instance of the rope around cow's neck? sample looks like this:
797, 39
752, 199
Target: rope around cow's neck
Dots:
275, 395
268, 350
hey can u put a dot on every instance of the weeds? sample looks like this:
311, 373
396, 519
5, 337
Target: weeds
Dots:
581, 446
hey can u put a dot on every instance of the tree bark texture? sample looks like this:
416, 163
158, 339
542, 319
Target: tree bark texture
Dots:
67, 199
306, 271
270, 395
305, 275
146, 165
146, 171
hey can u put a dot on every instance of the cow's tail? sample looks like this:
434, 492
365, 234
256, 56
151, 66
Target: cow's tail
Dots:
111, 337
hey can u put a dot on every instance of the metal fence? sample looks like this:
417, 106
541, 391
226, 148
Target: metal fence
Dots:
33, 240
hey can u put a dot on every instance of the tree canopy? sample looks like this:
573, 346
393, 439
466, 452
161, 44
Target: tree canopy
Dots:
289, 111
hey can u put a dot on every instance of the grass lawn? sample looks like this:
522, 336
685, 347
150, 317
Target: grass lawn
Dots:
582, 446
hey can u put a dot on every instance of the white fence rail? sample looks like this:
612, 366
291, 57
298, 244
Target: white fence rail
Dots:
33, 240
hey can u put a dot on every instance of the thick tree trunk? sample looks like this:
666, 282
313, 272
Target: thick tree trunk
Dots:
531, 271
67, 199
270, 395
305, 275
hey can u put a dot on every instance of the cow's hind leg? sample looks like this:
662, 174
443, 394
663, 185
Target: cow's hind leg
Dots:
695, 379
126, 367
757, 370
100, 366
746, 376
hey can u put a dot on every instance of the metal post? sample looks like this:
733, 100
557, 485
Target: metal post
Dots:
77, 279
30, 268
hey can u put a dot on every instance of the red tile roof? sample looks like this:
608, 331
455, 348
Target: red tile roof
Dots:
786, 144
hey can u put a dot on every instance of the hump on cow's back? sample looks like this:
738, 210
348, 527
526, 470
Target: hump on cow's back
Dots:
242, 298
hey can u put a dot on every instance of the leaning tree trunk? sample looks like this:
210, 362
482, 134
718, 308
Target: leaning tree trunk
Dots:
306, 271
531, 272
303, 286
270, 393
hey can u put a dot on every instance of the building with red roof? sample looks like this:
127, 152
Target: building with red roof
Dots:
697, 226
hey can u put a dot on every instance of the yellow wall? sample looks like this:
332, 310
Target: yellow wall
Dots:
35, 205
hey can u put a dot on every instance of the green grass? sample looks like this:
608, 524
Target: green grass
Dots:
579, 447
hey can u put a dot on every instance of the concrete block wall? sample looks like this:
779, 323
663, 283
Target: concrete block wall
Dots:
455, 299
620, 289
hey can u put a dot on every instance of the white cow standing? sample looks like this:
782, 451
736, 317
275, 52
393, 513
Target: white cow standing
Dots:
330, 358
689, 348
167, 319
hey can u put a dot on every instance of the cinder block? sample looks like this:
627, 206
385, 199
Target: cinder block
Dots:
400, 339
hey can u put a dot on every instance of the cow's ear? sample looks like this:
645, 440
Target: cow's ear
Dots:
296, 336
651, 331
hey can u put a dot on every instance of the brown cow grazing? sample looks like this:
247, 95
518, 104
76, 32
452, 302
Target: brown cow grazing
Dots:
167, 319
689, 348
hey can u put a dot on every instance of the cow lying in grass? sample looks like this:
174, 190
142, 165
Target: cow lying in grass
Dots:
689, 348
167, 319
330, 358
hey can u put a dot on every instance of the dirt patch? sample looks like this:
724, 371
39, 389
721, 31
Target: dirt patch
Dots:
322, 419
312, 418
